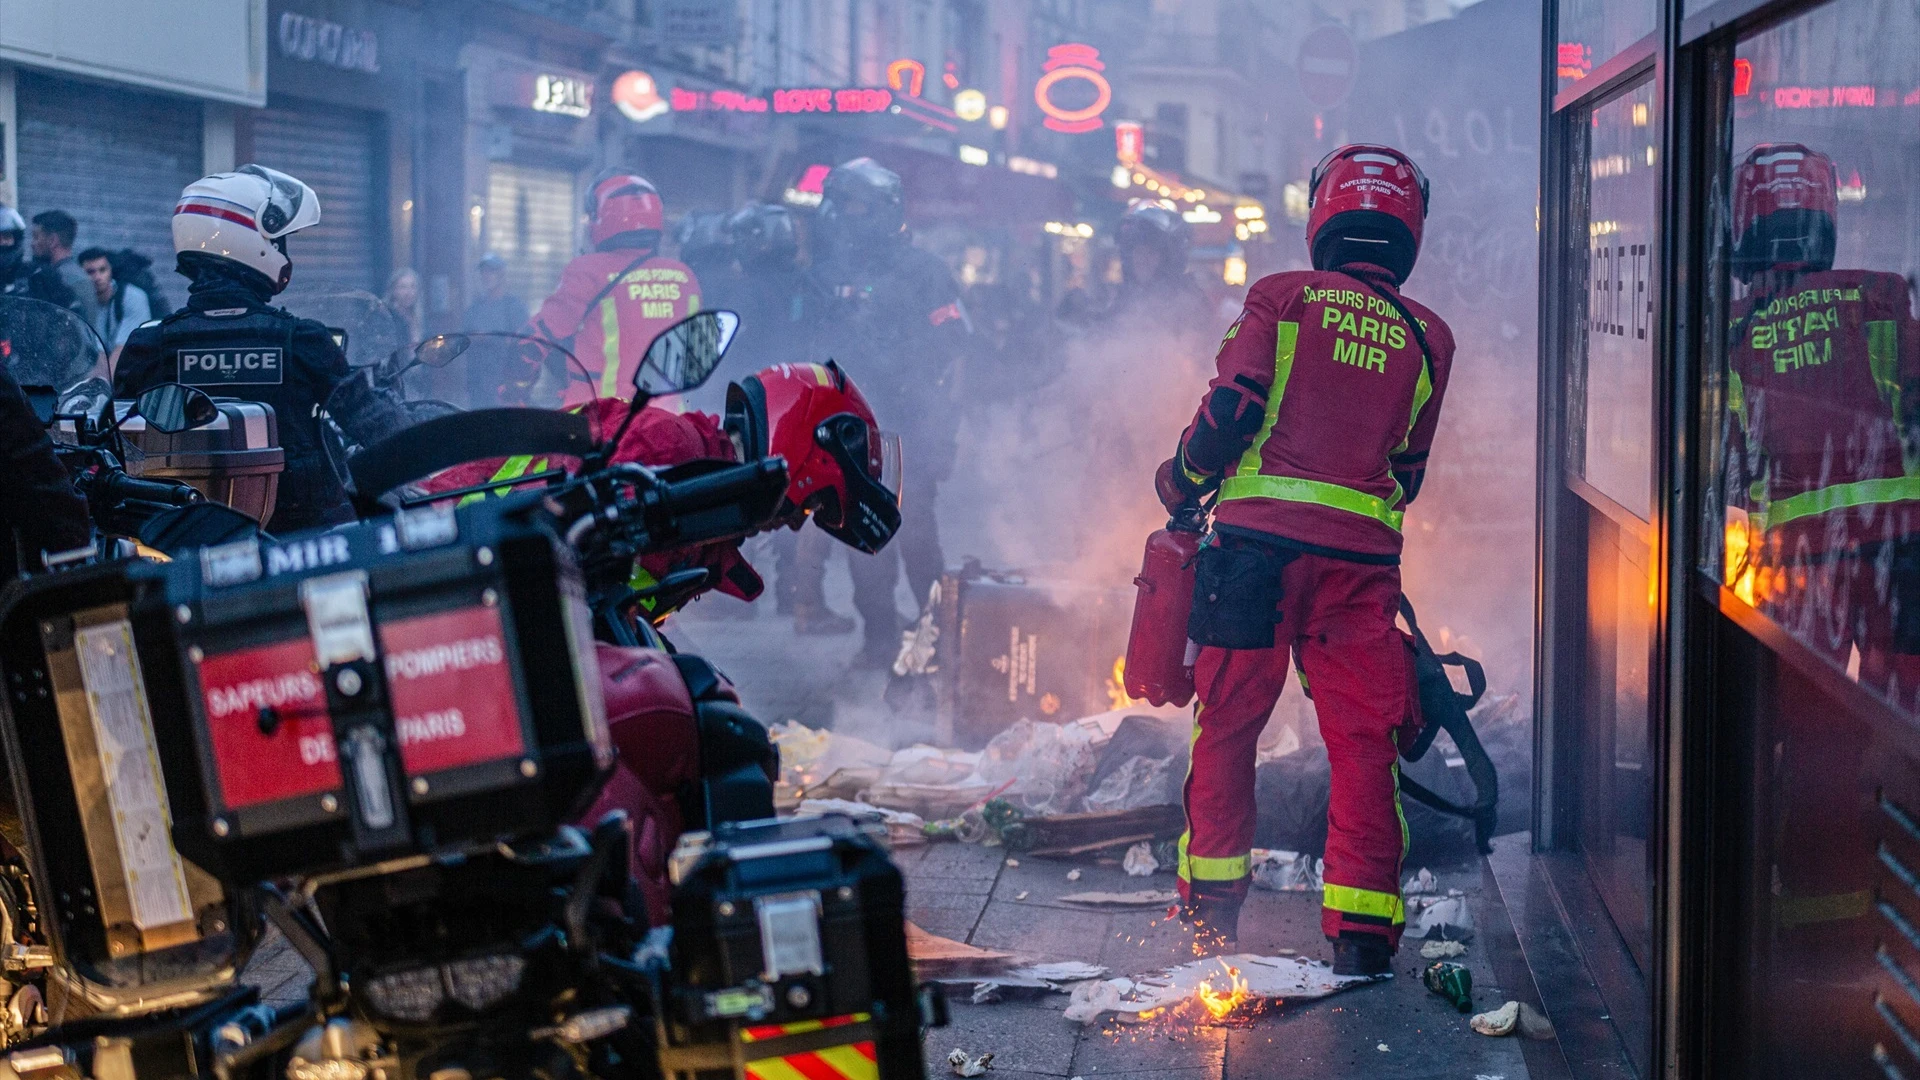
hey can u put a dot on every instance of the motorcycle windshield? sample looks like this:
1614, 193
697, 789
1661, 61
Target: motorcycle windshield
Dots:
45, 345
465, 386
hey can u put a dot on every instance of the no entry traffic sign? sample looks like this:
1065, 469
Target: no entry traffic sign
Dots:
1327, 63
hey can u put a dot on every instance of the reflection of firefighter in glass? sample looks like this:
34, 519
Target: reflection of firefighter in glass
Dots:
1821, 454
612, 301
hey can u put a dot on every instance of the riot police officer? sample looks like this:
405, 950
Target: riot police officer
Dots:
230, 231
891, 314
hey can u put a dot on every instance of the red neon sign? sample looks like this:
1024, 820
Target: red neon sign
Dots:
715, 101
1742, 78
1129, 141
1574, 60
826, 99
1823, 97
1065, 62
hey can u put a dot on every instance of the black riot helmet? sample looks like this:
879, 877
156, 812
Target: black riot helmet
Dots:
863, 207
1150, 225
13, 241
763, 236
703, 241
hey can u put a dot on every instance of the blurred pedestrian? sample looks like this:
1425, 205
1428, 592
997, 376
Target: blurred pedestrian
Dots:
122, 306
57, 278
494, 310
136, 271
403, 296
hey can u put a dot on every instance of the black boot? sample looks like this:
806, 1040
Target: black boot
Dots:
1214, 920
1362, 954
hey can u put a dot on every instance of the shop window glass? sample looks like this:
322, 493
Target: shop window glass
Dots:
1813, 514
1612, 424
1593, 32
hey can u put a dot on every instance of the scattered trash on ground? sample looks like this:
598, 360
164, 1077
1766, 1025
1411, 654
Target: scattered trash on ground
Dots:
1452, 982
1021, 895
1143, 898
1446, 917
1013, 862
1383, 1048
937, 957
1287, 871
1073, 875
1420, 883
903, 829
1139, 860
1263, 979
1497, 1022
1030, 979
965, 1064
1533, 1025
1442, 950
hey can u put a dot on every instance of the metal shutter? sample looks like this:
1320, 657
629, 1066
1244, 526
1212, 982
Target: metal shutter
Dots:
337, 152
115, 159
531, 217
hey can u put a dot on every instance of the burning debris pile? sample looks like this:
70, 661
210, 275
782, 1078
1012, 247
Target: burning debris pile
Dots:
1218, 989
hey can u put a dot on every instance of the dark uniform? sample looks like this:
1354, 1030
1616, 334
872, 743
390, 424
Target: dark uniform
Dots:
39, 509
893, 319
229, 342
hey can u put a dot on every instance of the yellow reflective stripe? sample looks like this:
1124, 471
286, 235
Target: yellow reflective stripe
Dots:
641, 579
1883, 359
609, 348
693, 305
1422, 391
1205, 868
773, 1069
1286, 337
1841, 497
511, 469
1378, 905
1195, 478
1299, 489
849, 1063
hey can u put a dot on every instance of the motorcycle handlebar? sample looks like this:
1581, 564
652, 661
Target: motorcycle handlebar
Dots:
119, 487
723, 487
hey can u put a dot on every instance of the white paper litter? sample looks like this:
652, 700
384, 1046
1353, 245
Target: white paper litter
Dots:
1442, 950
1287, 871
1446, 917
1497, 1022
1073, 875
1140, 861
965, 1064
1061, 976
1270, 977
1422, 882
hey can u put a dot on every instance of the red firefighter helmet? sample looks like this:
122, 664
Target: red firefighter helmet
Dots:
1367, 203
624, 203
1785, 201
841, 468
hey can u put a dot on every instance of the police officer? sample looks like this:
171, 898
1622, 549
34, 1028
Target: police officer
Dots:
14, 267
891, 315
230, 231
1153, 241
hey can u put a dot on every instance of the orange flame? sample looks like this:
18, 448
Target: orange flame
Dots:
1222, 1003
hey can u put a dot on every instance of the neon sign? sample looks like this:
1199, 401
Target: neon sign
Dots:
1129, 142
1068, 63
825, 99
562, 94
637, 97
907, 76
715, 101
1742, 77
1823, 97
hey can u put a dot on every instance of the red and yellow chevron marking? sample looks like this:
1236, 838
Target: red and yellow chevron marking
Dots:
853, 1061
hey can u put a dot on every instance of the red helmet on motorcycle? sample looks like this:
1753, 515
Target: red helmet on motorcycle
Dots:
840, 468
1367, 204
1785, 201
624, 204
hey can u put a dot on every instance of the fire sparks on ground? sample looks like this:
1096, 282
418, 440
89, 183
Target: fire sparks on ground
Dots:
1222, 1000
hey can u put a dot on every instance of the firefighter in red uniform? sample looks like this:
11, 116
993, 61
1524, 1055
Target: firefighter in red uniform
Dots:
612, 301
1821, 452
1314, 435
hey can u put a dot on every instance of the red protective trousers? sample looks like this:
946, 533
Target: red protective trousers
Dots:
1337, 617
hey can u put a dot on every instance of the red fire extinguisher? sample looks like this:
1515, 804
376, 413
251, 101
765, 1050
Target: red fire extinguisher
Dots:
1159, 657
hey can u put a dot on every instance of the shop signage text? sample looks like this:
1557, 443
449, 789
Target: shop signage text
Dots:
562, 94
1072, 64
1824, 97
303, 37
794, 100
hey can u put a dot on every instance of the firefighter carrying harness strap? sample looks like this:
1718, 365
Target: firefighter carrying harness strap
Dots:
1248, 482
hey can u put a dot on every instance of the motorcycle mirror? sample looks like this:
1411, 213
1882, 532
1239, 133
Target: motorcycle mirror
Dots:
201, 525
440, 350
45, 401
171, 408
685, 354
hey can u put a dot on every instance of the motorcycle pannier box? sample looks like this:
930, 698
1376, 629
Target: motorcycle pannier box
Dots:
236, 459
419, 684
789, 954
118, 920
